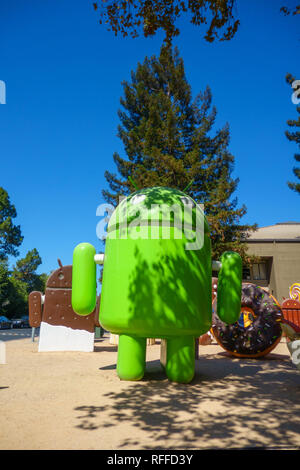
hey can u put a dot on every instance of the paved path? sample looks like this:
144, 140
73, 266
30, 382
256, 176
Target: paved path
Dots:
17, 333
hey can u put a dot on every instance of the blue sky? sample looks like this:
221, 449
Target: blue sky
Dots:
63, 74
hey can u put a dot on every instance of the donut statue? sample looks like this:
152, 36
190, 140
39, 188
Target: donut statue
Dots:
258, 329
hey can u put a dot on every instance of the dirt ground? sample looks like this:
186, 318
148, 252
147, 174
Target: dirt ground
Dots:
74, 400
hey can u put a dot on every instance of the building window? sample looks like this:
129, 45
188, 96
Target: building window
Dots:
259, 271
246, 273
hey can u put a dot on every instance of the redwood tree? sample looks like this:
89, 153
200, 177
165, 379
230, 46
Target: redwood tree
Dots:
169, 140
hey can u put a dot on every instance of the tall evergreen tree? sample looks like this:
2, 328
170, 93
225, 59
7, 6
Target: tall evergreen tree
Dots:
168, 139
294, 137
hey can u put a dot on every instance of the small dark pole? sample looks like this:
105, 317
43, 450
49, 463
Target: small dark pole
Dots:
196, 348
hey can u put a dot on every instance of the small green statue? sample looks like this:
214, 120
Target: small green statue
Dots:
156, 282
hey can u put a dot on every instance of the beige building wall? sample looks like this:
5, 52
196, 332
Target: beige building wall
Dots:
283, 265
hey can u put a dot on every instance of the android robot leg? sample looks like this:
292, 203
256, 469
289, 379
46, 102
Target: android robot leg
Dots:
131, 357
180, 359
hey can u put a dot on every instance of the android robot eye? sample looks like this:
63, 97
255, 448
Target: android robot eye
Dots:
187, 201
138, 198
61, 276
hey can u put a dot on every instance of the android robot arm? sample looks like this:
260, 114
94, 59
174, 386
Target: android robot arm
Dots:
84, 289
229, 286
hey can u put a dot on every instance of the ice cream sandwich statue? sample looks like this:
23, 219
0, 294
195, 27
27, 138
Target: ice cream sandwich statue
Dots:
156, 283
61, 329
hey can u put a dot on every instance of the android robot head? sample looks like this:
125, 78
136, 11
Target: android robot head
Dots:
156, 279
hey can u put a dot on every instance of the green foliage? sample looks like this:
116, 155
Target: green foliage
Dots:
294, 137
25, 270
295, 10
4, 285
18, 299
16, 284
146, 17
10, 234
13, 295
130, 16
169, 141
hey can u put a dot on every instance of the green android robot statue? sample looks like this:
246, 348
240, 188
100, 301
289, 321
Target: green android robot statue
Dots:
156, 281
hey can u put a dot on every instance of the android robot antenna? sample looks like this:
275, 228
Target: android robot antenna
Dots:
133, 183
188, 186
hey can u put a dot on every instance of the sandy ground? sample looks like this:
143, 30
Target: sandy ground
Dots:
74, 400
